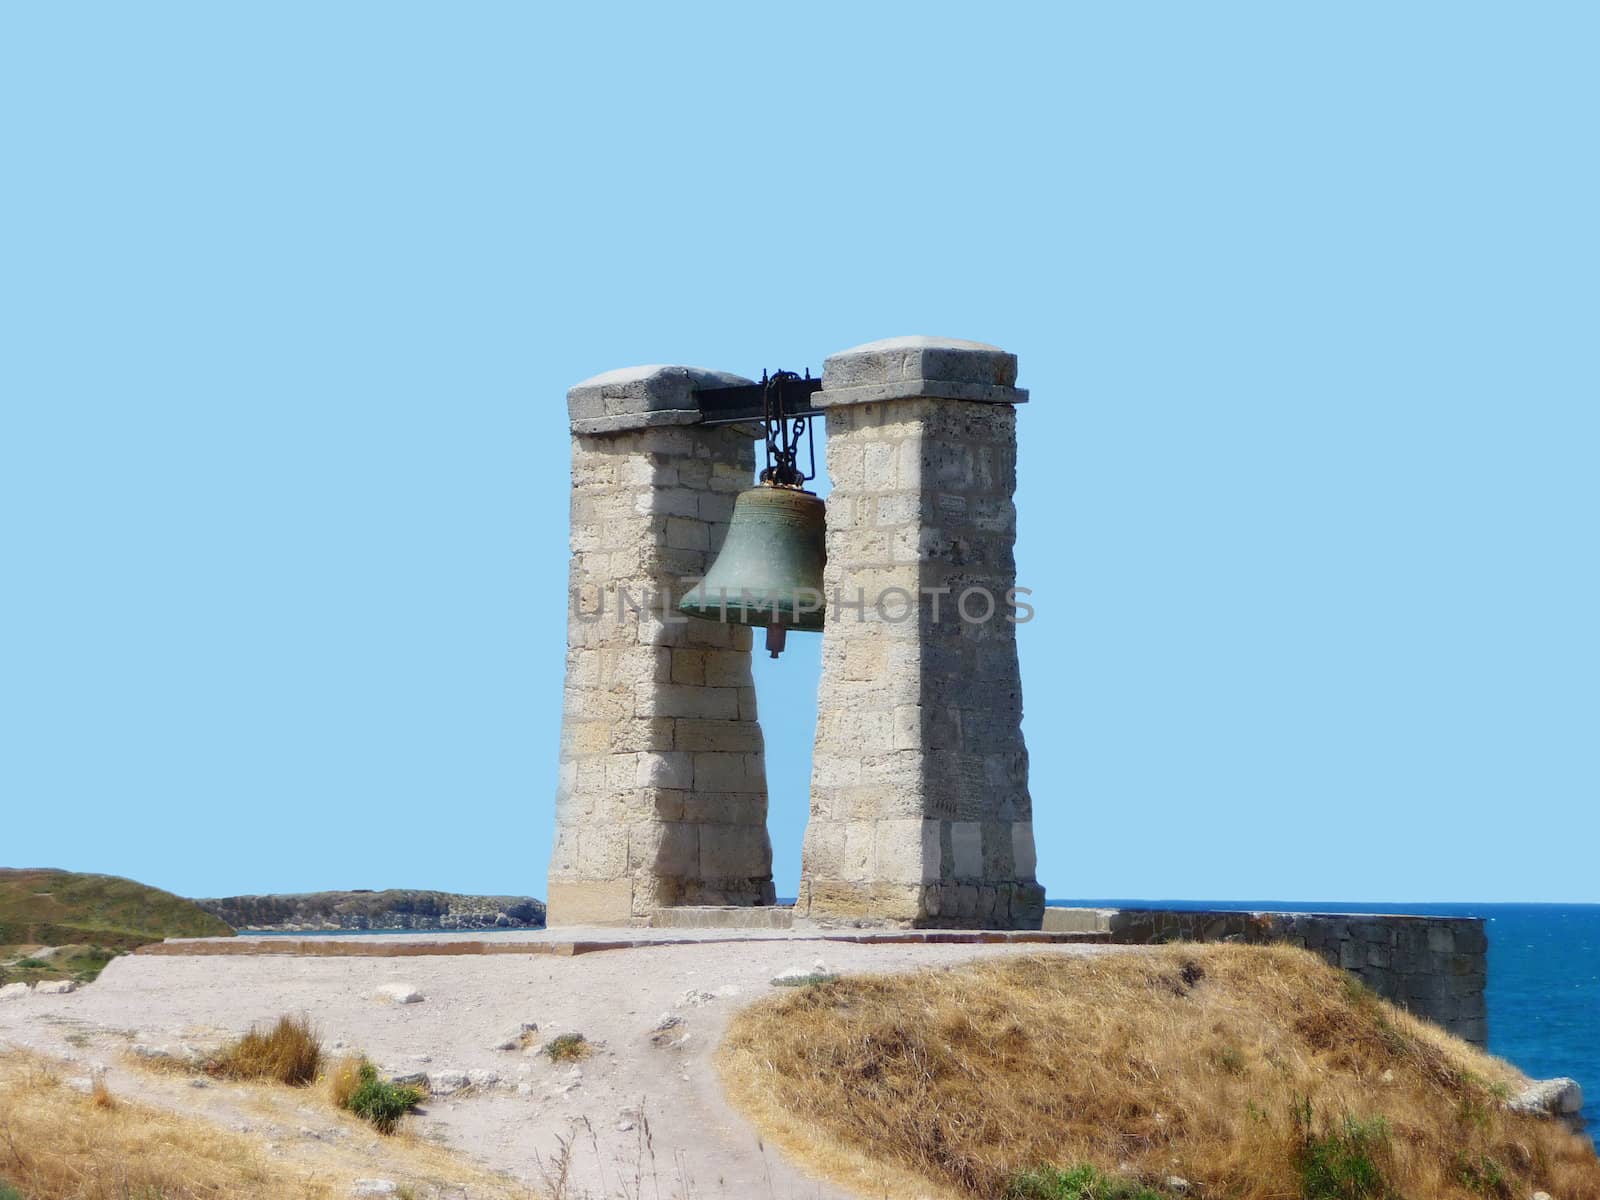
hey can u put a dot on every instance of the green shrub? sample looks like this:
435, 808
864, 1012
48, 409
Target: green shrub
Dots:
1343, 1163
810, 980
569, 1047
1075, 1183
1231, 1060
7, 1192
31, 964
380, 1101
1484, 1175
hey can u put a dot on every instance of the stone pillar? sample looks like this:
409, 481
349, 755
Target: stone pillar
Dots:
920, 813
662, 798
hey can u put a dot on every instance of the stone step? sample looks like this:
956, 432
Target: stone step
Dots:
718, 916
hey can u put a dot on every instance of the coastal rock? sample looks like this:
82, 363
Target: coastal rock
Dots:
799, 974
54, 987
669, 1031
188, 1055
519, 1040
445, 1083
398, 993
571, 1079
1549, 1098
393, 909
374, 1187
14, 991
695, 997
484, 1079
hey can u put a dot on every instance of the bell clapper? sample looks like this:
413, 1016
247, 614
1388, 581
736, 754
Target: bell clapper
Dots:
777, 638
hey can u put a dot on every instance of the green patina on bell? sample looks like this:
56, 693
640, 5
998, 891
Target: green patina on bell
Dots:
769, 570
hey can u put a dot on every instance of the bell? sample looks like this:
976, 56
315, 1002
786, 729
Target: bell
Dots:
769, 570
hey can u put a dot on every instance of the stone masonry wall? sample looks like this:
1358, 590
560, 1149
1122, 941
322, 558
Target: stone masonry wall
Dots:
870, 850
662, 794
1435, 967
920, 812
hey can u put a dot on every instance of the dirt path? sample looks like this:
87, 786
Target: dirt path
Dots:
643, 1116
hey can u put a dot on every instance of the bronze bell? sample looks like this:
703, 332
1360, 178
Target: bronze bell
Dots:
769, 570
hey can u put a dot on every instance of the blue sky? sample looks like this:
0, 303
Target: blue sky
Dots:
1306, 296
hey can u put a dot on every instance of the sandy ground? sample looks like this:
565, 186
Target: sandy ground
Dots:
640, 1077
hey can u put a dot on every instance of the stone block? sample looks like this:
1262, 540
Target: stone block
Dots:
907, 850
919, 367
1024, 854
603, 851
870, 901
665, 769
636, 398
734, 851
726, 736
688, 533
725, 668
640, 734
689, 666
684, 700
666, 848
726, 772
589, 902
1077, 920
966, 843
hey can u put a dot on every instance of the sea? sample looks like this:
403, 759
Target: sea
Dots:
1544, 977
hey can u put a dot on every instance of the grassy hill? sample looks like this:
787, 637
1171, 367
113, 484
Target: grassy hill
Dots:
87, 919
1247, 1072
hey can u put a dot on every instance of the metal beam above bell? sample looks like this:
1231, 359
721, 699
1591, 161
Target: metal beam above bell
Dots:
746, 403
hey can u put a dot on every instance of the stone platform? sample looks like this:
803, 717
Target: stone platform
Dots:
1436, 967
569, 941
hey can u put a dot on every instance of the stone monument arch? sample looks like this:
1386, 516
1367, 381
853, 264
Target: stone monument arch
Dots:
920, 811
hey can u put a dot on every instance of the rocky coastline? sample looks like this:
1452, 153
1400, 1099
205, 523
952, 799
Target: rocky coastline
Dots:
395, 908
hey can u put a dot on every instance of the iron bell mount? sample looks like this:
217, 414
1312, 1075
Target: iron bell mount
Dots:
769, 570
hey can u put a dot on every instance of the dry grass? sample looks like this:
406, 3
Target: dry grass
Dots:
342, 1080
290, 1052
1199, 1061
58, 1144
100, 1095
